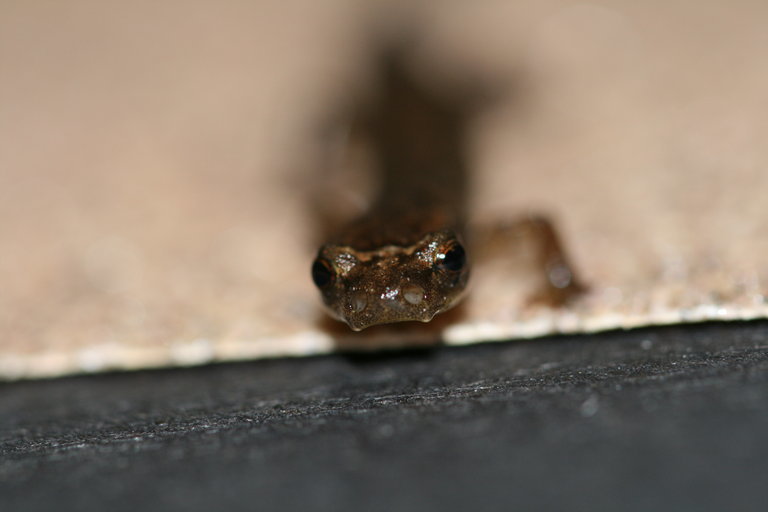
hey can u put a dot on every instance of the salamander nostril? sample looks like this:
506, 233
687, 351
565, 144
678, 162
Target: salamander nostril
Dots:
359, 302
413, 294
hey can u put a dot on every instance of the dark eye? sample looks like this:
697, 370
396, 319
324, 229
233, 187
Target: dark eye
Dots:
322, 273
453, 259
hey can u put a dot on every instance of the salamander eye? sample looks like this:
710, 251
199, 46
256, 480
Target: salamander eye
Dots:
322, 273
452, 260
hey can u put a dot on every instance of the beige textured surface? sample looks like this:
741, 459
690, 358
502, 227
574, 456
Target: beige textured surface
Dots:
154, 162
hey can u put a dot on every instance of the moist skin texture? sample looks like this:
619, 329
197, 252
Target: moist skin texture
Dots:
405, 258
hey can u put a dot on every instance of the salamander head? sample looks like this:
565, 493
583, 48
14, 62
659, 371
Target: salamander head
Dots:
392, 283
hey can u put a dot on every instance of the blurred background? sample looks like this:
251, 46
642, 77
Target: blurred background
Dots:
156, 159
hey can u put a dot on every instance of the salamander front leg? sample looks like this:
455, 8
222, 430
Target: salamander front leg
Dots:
534, 240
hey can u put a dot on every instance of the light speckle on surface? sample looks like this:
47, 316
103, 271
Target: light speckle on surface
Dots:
390, 293
590, 406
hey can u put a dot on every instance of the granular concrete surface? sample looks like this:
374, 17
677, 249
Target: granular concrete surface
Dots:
662, 418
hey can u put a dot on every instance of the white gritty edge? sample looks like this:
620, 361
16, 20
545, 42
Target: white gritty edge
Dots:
477, 332
113, 356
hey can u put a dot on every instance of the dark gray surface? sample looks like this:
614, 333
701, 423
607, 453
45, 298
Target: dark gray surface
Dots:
665, 418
